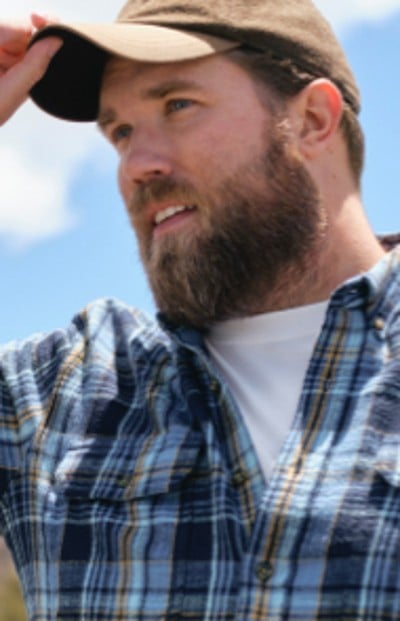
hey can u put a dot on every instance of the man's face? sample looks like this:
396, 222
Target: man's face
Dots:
224, 212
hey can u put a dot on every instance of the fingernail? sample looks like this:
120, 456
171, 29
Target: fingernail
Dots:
46, 17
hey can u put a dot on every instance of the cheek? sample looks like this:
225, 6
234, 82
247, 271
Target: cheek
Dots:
126, 191
227, 143
123, 185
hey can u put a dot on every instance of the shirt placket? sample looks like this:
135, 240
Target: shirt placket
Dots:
272, 564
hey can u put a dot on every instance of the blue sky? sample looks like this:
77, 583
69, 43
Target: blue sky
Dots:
64, 237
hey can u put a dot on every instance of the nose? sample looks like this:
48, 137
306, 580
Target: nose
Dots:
145, 158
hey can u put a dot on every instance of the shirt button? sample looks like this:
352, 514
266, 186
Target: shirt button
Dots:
379, 323
239, 478
214, 385
264, 571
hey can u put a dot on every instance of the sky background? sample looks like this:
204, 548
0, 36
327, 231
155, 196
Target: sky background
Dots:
64, 236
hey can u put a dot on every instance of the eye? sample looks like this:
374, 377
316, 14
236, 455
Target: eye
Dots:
175, 105
120, 132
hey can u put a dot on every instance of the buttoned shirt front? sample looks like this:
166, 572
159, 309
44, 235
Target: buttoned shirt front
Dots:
130, 489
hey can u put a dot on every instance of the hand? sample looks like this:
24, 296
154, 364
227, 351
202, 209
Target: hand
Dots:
21, 69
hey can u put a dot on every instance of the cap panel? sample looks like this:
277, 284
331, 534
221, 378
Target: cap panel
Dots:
294, 28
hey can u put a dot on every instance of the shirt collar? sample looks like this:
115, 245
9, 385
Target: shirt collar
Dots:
368, 289
371, 290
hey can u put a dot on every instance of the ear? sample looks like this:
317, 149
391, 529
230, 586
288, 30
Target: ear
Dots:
316, 114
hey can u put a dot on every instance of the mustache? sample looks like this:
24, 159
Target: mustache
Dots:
163, 189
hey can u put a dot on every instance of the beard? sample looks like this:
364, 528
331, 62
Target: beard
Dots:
253, 249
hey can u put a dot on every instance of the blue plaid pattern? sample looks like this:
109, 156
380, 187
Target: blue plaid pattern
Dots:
130, 490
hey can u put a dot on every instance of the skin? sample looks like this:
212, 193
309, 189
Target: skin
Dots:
186, 121
210, 126
21, 69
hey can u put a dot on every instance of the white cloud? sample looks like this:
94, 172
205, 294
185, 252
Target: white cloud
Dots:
103, 10
30, 194
34, 200
39, 156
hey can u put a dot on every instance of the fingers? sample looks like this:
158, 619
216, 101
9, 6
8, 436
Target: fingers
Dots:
40, 21
17, 81
35, 62
7, 60
21, 69
14, 38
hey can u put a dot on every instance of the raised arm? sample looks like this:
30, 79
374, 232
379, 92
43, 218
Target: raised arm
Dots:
21, 68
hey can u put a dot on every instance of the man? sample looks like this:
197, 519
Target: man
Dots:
239, 459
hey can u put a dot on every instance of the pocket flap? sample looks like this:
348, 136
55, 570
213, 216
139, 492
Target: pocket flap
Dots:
127, 468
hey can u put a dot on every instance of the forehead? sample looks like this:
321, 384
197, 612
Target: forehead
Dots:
215, 72
120, 71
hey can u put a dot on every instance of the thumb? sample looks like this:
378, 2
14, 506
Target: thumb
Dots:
34, 64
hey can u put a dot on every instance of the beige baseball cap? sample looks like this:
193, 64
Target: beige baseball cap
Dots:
172, 31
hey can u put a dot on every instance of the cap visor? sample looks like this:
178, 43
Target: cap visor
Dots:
70, 87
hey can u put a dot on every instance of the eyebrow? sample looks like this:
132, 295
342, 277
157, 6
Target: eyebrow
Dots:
168, 87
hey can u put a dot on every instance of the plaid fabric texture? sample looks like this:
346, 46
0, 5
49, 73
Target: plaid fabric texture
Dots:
130, 490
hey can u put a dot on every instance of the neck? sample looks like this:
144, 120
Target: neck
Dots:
347, 247
352, 247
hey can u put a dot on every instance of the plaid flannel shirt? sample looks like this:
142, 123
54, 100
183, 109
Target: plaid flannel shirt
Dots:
130, 490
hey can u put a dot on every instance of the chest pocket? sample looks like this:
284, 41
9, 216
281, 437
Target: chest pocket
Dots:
128, 468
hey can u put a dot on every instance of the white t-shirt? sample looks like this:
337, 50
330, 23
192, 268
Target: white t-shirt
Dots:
264, 360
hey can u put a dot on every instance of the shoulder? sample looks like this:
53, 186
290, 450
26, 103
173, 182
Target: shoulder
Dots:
106, 325
119, 319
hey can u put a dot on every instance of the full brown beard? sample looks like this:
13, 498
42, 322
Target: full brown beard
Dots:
252, 250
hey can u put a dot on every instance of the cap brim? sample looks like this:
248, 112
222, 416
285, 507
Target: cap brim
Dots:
71, 85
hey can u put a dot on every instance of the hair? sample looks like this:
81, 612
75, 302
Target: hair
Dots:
287, 79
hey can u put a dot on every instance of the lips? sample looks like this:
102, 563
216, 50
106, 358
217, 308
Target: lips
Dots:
170, 212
